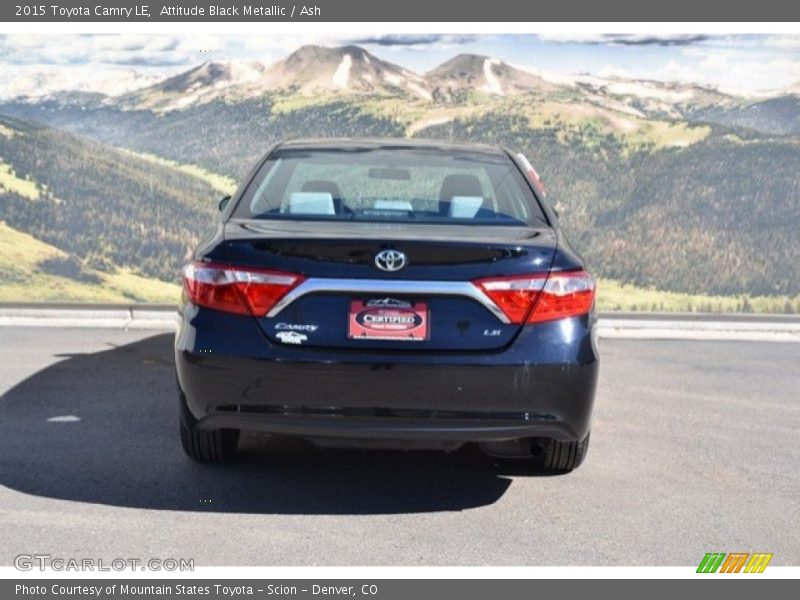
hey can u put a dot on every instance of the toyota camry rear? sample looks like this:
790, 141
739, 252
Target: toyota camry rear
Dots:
392, 294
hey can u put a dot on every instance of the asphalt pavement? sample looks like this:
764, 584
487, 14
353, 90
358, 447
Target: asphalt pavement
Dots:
694, 449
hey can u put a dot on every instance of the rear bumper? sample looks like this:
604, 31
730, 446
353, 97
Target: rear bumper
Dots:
485, 429
541, 385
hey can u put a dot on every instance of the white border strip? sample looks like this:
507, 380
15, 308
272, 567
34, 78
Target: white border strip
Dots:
377, 573
324, 28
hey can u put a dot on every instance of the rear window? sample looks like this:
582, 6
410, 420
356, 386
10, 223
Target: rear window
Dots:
390, 184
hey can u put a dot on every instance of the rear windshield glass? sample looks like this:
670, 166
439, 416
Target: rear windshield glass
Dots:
390, 184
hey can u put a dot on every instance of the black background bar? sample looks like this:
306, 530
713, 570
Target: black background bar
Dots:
401, 11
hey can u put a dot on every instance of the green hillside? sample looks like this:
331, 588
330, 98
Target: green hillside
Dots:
107, 209
33, 271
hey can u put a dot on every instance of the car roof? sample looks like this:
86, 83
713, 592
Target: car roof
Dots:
377, 143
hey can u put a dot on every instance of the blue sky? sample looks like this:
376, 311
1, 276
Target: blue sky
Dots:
740, 63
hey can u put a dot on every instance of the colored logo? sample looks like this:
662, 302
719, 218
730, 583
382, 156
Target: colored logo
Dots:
388, 322
735, 562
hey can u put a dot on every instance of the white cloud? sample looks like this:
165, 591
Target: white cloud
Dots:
785, 42
41, 81
735, 71
611, 71
425, 42
110, 49
284, 44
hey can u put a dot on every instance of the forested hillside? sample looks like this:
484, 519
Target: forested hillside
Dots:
222, 137
721, 215
775, 115
104, 207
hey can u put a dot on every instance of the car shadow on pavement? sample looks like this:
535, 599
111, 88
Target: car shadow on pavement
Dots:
102, 428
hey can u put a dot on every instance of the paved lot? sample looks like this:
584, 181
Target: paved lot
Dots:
694, 448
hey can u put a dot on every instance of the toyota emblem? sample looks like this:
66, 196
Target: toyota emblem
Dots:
390, 260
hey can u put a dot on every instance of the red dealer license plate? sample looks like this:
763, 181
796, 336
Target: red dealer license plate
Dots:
388, 319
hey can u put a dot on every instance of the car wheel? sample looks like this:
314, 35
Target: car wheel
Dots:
215, 445
564, 456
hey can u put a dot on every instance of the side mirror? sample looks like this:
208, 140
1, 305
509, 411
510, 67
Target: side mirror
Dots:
223, 203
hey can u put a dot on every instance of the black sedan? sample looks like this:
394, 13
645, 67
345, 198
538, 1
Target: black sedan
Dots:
390, 294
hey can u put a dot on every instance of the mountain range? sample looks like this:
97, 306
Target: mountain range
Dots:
672, 185
351, 70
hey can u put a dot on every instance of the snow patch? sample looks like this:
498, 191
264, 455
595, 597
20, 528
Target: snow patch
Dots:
392, 78
183, 101
643, 90
342, 74
435, 121
243, 73
425, 123
625, 124
615, 85
419, 90
621, 107
492, 83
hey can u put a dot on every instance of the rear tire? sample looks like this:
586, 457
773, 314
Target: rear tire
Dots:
214, 445
561, 456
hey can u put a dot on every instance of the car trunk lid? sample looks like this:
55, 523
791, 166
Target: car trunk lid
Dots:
348, 301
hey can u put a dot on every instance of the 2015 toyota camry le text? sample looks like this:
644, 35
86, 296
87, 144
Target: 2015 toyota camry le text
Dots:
392, 294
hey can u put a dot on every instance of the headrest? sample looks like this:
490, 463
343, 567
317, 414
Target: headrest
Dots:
460, 184
322, 185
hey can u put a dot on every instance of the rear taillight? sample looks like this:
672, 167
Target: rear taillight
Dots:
569, 294
537, 298
514, 295
238, 290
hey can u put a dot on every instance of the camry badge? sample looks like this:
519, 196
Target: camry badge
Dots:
390, 260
